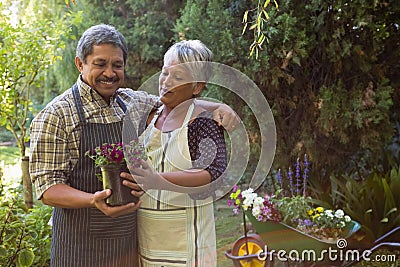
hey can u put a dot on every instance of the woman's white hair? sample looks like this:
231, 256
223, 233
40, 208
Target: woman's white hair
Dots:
195, 56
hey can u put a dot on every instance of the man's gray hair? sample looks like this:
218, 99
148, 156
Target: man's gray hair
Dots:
98, 35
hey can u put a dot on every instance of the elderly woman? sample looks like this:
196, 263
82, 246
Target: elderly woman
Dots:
187, 152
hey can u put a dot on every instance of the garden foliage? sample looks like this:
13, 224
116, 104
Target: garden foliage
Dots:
327, 68
25, 236
374, 201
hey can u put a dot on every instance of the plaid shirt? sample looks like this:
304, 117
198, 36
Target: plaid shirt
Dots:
55, 131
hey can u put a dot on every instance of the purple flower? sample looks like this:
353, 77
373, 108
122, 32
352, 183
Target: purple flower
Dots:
117, 156
305, 174
298, 182
107, 154
235, 188
236, 210
307, 222
135, 152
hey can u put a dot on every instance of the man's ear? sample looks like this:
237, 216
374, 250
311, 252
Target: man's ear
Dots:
198, 88
79, 64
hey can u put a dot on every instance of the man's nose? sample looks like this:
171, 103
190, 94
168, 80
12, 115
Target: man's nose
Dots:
109, 72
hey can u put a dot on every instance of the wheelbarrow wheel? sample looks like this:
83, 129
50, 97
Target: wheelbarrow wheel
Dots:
254, 245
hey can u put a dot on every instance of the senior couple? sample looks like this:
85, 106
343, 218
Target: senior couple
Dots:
165, 227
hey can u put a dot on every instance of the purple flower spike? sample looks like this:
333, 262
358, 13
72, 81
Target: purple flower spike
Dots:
305, 174
298, 182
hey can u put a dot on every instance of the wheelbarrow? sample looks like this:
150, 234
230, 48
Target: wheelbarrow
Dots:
278, 244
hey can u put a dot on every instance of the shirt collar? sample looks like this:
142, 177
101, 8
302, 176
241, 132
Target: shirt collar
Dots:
89, 94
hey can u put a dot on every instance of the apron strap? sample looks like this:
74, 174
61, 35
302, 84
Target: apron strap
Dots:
78, 103
121, 103
188, 115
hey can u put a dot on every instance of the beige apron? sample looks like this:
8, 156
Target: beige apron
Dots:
171, 234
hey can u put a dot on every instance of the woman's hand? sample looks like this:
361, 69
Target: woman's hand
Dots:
144, 178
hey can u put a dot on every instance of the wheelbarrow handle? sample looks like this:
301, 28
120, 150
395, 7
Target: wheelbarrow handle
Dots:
387, 235
229, 255
389, 244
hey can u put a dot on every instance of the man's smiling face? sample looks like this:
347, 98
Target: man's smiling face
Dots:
104, 69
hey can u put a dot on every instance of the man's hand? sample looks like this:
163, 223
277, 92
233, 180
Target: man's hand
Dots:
226, 117
137, 191
99, 202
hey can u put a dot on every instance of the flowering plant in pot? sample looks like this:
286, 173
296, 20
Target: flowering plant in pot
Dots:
111, 159
290, 205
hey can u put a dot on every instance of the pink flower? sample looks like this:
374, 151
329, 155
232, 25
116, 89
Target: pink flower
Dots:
117, 156
107, 154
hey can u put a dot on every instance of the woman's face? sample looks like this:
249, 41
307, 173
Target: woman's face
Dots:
176, 84
103, 70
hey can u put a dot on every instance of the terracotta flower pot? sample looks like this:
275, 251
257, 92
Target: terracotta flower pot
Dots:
121, 194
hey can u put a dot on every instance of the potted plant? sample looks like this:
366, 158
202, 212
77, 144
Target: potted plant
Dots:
109, 157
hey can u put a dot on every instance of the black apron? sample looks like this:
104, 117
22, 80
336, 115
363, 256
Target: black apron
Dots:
86, 237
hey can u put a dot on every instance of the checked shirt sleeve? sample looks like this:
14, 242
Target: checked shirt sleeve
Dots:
50, 160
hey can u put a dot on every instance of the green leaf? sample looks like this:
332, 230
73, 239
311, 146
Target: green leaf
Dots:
276, 5
261, 39
266, 14
244, 28
25, 257
3, 252
245, 16
253, 26
391, 211
389, 203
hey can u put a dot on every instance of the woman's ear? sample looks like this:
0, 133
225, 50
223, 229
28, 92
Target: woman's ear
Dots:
198, 88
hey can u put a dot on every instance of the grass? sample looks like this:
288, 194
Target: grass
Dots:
9, 154
228, 228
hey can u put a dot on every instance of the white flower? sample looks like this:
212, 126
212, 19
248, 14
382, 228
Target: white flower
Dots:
258, 201
341, 224
339, 214
247, 192
329, 213
256, 211
347, 218
247, 202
